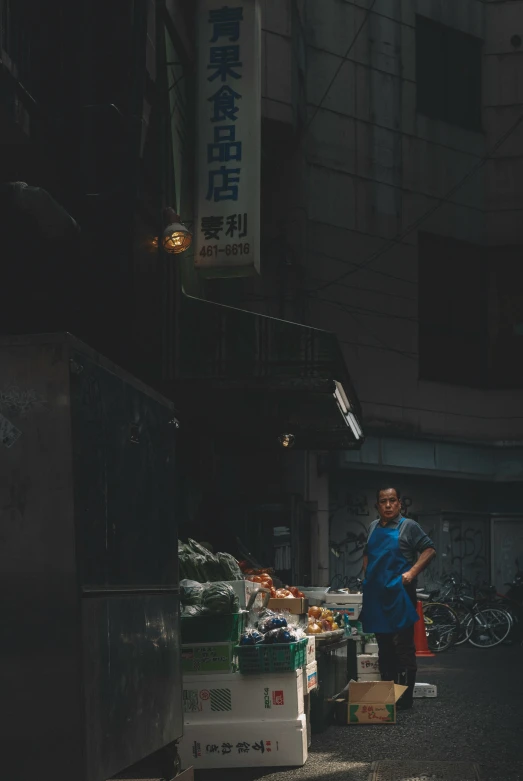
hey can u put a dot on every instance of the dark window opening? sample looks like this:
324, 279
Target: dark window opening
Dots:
453, 311
448, 74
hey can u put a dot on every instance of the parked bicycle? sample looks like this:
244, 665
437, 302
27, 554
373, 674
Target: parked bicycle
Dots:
481, 623
442, 625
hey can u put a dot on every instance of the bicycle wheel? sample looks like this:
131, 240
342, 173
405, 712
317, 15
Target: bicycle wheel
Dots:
466, 625
490, 626
441, 626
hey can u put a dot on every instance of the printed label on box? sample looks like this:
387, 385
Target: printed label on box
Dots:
368, 663
242, 747
371, 713
219, 700
278, 698
312, 681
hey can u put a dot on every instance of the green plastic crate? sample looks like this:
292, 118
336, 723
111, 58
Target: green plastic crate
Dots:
223, 628
277, 658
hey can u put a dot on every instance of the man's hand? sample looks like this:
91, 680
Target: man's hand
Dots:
407, 578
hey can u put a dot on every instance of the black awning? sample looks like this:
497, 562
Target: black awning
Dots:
239, 371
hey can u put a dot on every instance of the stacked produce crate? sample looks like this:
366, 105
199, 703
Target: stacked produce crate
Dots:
244, 705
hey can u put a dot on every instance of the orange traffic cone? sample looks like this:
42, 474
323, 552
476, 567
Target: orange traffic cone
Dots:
420, 635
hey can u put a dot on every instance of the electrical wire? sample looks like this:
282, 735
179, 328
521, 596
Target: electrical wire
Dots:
340, 66
420, 220
371, 270
411, 356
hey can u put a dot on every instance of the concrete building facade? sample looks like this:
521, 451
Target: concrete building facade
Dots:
399, 205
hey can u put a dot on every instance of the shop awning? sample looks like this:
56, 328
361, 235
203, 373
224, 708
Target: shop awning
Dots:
242, 373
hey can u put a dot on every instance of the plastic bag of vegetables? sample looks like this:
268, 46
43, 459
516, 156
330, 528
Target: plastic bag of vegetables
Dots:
191, 611
273, 622
191, 592
220, 598
281, 635
251, 637
229, 567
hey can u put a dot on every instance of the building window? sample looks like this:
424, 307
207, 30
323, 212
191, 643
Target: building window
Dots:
506, 318
453, 311
448, 74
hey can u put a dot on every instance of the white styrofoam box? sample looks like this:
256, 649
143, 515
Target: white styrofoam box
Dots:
244, 589
425, 690
235, 697
244, 744
315, 594
311, 649
371, 648
343, 599
310, 677
368, 677
368, 663
351, 611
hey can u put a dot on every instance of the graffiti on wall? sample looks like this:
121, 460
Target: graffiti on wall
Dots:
349, 524
469, 551
357, 504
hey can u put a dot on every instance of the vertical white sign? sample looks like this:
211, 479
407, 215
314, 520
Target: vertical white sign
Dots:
227, 226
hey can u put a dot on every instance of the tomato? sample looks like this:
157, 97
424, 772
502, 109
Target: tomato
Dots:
256, 579
273, 593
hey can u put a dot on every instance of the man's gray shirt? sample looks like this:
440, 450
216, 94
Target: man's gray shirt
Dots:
412, 538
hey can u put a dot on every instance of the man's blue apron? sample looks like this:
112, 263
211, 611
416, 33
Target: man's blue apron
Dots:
387, 607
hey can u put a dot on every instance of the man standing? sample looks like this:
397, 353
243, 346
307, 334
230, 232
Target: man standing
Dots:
397, 551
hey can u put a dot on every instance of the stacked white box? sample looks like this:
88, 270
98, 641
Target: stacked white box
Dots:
310, 677
311, 649
234, 697
367, 664
244, 744
234, 720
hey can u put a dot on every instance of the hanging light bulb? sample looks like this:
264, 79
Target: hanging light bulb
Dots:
287, 440
176, 237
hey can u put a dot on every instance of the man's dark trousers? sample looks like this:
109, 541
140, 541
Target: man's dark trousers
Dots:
397, 652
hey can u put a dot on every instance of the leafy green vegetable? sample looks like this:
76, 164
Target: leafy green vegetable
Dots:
220, 598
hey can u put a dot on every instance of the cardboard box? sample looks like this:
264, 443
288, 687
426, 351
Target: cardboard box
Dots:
186, 775
244, 744
368, 663
311, 649
295, 606
310, 677
368, 677
207, 658
235, 697
425, 690
373, 702
371, 648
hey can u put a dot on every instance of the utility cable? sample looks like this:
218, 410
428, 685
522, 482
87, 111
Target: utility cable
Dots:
420, 220
340, 66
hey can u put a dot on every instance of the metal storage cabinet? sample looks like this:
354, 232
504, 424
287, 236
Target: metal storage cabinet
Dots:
89, 653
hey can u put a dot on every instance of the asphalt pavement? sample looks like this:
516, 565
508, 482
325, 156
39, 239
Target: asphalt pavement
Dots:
477, 717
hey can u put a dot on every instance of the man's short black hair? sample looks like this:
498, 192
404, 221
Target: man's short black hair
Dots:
388, 488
